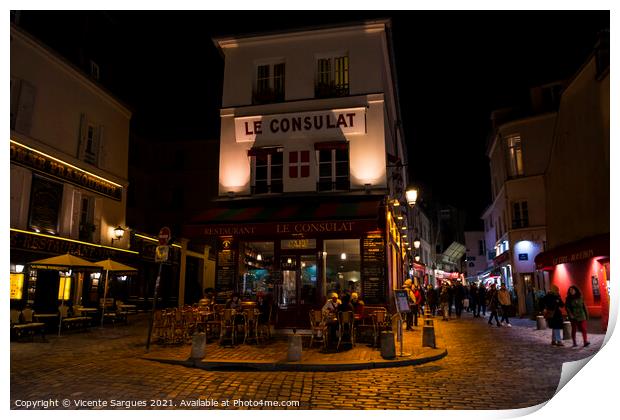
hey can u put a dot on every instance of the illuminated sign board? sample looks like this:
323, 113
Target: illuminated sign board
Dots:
17, 285
331, 122
48, 165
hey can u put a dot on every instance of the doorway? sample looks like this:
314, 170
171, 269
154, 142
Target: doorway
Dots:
298, 292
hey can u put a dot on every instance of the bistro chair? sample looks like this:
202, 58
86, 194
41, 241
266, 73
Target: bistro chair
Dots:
381, 322
346, 329
15, 317
318, 328
227, 323
264, 323
251, 325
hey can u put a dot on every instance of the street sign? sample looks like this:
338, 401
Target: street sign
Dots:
164, 235
161, 253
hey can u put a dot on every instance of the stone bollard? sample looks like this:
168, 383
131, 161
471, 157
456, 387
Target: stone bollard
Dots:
388, 347
198, 345
541, 323
294, 348
567, 331
428, 334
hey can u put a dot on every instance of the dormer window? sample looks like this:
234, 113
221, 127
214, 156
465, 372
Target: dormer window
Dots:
269, 84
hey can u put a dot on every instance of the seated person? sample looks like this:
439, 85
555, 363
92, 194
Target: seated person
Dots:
330, 309
358, 304
264, 307
234, 302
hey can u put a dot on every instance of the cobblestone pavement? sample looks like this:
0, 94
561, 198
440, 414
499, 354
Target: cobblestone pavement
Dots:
486, 368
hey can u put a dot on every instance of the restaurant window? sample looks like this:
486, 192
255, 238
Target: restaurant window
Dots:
269, 86
299, 164
45, 200
333, 167
520, 215
266, 170
332, 77
87, 224
342, 266
515, 155
257, 268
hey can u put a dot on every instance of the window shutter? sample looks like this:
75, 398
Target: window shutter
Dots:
75, 213
97, 219
15, 87
82, 136
101, 150
23, 119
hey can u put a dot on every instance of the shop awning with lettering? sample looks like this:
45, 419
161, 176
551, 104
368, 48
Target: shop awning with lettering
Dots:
584, 249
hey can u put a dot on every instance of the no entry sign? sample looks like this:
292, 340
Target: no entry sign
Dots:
164, 235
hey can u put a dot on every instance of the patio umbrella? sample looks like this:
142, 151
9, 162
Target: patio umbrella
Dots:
64, 262
111, 265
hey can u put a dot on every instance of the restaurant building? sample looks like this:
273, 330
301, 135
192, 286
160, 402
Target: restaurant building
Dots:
577, 182
311, 176
68, 156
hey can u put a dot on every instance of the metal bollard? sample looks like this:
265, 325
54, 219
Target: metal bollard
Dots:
388, 348
294, 348
567, 331
198, 345
428, 334
541, 323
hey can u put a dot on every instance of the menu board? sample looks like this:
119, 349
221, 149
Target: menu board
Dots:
225, 275
373, 268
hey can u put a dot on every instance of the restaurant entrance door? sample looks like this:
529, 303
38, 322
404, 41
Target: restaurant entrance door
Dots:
299, 290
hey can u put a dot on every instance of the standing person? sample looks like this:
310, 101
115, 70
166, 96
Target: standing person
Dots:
473, 300
417, 300
411, 301
503, 297
431, 299
553, 313
444, 302
482, 300
493, 304
459, 295
577, 315
450, 299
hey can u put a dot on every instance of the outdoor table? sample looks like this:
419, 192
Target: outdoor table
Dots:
128, 307
89, 310
48, 316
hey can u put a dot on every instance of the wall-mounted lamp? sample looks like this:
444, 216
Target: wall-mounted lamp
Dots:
19, 268
118, 233
412, 196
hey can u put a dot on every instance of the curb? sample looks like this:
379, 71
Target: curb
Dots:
275, 366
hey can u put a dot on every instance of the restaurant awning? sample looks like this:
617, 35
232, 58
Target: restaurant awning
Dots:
594, 246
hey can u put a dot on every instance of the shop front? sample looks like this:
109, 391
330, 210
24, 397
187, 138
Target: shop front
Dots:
585, 264
298, 263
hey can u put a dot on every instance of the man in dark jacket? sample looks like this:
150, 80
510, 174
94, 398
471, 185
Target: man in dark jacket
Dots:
473, 300
482, 300
459, 295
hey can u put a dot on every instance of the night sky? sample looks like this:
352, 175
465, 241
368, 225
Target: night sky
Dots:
454, 68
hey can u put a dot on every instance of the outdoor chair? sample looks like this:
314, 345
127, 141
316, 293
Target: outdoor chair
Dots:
22, 324
264, 324
15, 317
251, 325
346, 329
381, 322
227, 324
318, 328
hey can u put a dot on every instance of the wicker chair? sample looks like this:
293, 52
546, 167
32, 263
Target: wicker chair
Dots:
346, 328
318, 328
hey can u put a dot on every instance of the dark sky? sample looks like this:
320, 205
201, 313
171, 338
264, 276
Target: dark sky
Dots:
454, 68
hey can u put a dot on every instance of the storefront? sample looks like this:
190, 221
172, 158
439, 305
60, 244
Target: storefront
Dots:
585, 264
299, 253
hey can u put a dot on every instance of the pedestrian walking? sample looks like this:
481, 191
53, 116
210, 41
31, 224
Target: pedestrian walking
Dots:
577, 315
459, 295
411, 300
431, 299
553, 313
482, 300
473, 300
493, 305
444, 302
451, 299
503, 296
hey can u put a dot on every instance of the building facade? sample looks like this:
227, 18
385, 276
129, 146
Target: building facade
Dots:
68, 153
475, 255
577, 182
311, 184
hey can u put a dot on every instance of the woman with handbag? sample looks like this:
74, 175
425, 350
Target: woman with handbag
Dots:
553, 314
577, 315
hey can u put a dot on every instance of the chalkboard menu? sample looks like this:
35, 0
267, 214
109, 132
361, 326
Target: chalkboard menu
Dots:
373, 269
225, 275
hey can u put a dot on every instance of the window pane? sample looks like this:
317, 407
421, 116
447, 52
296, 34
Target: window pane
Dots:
276, 173
292, 157
325, 155
325, 170
278, 81
343, 275
276, 158
305, 156
292, 172
342, 169
305, 171
342, 155
261, 173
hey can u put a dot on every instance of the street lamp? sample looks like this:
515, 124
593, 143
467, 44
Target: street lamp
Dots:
118, 233
417, 257
416, 243
412, 196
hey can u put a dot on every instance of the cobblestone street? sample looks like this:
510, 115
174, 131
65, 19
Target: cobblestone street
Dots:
486, 368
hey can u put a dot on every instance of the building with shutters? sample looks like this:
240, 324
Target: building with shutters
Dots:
311, 176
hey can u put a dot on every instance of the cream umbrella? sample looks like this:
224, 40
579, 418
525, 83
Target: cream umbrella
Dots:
111, 265
64, 262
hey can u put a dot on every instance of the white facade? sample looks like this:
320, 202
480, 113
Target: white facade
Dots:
78, 134
475, 253
515, 222
364, 118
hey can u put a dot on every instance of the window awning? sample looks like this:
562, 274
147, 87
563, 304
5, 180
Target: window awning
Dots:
594, 246
328, 145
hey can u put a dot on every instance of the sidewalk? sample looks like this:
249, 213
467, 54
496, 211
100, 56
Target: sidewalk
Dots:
272, 356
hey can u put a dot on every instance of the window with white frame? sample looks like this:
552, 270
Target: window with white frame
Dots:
87, 224
266, 170
90, 141
520, 215
269, 83
299, 164
515, 155
333, 166
332, 76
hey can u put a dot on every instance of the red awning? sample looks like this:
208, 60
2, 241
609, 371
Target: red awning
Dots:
594, 246
328, 145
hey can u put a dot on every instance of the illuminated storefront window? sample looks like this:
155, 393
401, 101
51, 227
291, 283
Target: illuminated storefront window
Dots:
342, 265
